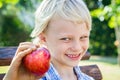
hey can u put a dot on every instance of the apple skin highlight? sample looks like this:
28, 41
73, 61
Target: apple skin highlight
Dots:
37, 62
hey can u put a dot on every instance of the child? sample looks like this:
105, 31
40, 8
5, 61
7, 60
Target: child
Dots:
63, 26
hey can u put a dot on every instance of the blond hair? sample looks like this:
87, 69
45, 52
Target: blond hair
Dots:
73, 10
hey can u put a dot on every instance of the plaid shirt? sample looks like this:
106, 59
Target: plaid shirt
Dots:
52, 74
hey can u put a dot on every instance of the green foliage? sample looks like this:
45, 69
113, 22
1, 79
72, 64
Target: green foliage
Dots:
102, 36
13, 32
114, 21
3, 2
109, 12
102, 39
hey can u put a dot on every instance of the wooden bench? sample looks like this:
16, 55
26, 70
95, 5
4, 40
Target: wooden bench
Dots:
7, 53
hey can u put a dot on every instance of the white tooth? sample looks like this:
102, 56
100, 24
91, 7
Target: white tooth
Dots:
73, 55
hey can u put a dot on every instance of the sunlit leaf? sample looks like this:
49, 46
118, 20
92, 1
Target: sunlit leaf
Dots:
118, 1
112, 22
1, 4
12, 1
96, 13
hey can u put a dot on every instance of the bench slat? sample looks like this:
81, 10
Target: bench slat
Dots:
92, 70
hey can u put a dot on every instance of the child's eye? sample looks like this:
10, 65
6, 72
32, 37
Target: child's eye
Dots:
84, 37
66, 39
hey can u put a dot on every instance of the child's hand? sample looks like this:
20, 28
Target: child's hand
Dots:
17, 70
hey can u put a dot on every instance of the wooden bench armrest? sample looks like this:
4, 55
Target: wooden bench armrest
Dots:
92, 70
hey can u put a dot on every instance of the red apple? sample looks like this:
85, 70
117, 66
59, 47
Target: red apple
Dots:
37, 62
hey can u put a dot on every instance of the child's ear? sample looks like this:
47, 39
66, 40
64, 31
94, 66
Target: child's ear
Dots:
42, 37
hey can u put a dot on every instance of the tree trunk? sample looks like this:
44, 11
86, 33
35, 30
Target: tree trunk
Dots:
117, 33
119, 59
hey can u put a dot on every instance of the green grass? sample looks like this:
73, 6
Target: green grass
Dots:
3, 69
108, 66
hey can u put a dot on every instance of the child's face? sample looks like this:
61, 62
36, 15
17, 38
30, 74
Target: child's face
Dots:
66, 41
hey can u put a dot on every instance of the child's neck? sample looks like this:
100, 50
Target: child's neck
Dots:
65, 72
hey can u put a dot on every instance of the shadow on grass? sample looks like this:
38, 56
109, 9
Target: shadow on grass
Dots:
110, 60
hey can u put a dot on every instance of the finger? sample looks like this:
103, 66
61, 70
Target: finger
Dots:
28, 43
25, 43
25, 46
18, 58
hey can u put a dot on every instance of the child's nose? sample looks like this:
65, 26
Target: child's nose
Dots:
76, 46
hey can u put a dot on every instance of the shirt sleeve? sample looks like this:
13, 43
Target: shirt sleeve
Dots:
81, 75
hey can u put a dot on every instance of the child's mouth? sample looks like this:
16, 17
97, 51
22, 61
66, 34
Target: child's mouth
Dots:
73, 56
